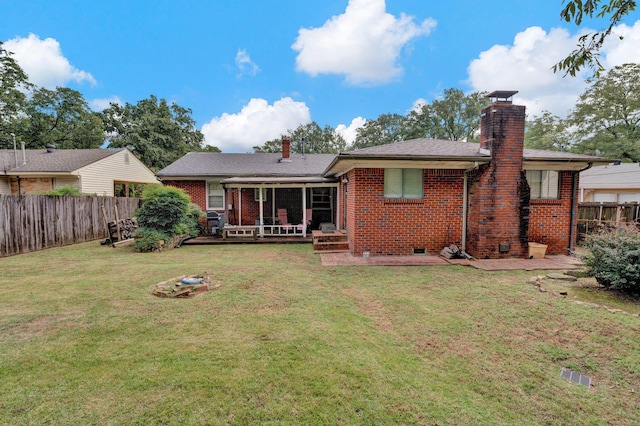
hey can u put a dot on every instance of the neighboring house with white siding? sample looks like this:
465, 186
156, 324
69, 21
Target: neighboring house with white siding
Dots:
92, 171
614, 183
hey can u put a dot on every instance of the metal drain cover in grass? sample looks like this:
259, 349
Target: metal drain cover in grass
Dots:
576, 377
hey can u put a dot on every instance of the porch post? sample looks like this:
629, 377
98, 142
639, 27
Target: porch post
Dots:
304, 210
261, 212
338, 209
239, 206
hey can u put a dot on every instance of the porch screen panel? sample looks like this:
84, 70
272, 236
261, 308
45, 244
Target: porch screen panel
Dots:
393, 183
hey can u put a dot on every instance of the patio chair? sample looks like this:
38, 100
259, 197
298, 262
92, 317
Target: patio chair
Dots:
309, 213
284, 220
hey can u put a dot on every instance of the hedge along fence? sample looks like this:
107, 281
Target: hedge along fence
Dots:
35, 222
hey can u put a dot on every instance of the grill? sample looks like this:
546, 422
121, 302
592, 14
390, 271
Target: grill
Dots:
215, 223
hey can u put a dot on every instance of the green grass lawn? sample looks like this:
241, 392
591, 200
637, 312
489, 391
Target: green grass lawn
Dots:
284, 340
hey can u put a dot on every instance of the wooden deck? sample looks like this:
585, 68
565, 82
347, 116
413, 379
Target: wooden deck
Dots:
205, 240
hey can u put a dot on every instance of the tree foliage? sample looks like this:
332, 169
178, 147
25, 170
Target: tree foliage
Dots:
607, 115
387, 128
587, 52
455, 117
316, 140
14, 85
547, 132
63, 118
157, 132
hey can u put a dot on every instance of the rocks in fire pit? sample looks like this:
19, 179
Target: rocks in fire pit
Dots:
183, 286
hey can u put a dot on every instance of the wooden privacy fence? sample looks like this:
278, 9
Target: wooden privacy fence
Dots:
35, 222
593, 216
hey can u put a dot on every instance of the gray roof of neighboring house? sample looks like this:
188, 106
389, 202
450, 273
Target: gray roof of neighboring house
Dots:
211, 164
58, 161
612, 176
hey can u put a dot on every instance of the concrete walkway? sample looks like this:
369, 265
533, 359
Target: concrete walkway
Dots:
548, 263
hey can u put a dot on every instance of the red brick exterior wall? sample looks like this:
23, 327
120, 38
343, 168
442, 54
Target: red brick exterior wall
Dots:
498, 203
550, 220
397, 227
31, 186
197, 190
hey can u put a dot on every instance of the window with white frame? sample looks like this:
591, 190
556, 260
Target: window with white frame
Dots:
403, 183
544, 184
215, 196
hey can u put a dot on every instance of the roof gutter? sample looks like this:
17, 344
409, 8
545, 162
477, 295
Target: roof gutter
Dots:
412, 158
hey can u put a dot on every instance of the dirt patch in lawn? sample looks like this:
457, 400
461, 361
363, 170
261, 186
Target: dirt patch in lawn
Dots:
372, 309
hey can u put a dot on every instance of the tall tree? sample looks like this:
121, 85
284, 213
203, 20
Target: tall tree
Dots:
547, 132
455, 117
157, 132
63, 118
607, 115
309, 138
14, 86
587, 52
387, 128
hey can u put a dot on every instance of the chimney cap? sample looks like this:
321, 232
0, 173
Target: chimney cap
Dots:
502, 95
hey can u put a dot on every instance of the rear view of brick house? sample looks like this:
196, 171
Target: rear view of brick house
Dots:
490, 199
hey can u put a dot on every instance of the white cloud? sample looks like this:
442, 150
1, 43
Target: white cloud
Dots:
526, 66
363, 43
619, 51
101, 104
256, 123
44, 62
245, 65
418, 104
349, 133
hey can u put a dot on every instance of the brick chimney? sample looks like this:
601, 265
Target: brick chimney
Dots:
286, 148
498, 224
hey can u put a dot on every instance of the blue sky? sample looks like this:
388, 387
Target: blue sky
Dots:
250, 70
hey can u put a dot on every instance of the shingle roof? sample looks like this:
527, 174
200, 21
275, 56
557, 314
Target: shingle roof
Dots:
454, 149
58, 161
211, 164
421, 147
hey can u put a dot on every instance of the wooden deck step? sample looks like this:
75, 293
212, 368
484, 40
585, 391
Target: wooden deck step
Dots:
330, 242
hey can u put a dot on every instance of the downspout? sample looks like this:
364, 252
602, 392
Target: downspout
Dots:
574, 197
465, 197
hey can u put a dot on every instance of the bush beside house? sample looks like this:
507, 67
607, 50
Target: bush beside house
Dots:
166, 216
614, 259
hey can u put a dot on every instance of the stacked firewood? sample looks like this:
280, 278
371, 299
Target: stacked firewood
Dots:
123, 229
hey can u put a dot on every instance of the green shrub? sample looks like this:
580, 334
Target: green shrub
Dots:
64, 190
614, 259
191, 223
147, 239
164, 209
